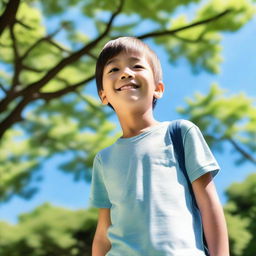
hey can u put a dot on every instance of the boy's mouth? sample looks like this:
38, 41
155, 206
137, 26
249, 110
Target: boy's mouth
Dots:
128, 86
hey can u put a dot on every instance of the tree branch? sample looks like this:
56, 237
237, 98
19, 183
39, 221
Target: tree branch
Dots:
199, 39
36, 86
8, 16
46, 38
13, 117
23, 24
242, 151
14, 43
92, 56
173, 31
3, 89
72, 88
58, 46
62, 80
17, 60
36, 70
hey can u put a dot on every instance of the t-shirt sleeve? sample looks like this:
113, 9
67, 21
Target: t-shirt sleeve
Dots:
199, 159
98, 194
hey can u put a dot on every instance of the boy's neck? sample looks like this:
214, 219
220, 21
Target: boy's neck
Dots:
134, 124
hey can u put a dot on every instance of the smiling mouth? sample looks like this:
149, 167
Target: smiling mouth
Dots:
128, 87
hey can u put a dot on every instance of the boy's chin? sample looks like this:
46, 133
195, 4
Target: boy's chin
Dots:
135, 105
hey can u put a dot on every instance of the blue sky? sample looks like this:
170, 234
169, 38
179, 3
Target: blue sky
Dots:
237, 75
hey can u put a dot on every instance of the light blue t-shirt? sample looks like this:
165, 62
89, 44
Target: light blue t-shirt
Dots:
139, 179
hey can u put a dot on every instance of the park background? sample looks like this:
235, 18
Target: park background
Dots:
46, 157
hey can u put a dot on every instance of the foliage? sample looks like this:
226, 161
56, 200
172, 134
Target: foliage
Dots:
225, 118
48, 54
48, 132
48, 51
240, 212
49, 230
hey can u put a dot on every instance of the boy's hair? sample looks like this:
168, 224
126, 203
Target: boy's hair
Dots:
126, 44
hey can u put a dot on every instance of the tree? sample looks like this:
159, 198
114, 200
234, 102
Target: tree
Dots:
240, 212
225, 119
46, 69
49, 230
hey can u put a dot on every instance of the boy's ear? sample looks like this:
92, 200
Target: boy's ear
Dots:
159, 90
103, 97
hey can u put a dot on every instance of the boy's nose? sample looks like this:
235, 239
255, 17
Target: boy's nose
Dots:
126, 74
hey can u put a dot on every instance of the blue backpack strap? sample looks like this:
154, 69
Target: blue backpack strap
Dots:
175, 132
176, 137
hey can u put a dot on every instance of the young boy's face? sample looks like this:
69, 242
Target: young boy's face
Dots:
128, 81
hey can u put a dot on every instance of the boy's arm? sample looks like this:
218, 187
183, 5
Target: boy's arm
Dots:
214, 223
101, 245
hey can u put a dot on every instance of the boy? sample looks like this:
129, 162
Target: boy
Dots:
144, 203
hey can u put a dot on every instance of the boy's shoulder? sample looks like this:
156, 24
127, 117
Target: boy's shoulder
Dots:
103, 151
185, 124
188, 128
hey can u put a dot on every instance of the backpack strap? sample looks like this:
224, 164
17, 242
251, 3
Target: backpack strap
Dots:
175, 133
176, 137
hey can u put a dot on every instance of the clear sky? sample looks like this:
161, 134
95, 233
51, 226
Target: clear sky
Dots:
237, 75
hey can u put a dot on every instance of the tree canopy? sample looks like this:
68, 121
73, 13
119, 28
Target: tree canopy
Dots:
240, 212
48, 51
49, 230
225, 119
47, 63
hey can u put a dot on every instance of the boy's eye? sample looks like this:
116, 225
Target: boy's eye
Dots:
113, 70
138, 66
